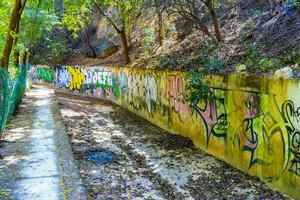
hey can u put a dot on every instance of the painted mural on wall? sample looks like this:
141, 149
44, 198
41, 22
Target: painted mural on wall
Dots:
97, 82
253, 127
41, 74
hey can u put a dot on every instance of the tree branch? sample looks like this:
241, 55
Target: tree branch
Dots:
108, 17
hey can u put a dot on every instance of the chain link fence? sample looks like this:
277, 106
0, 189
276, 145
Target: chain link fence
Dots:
11, 92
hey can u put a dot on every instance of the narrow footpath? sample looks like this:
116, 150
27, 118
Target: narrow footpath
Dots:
37, 159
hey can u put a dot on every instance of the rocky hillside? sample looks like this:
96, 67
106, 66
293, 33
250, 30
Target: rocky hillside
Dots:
257, 37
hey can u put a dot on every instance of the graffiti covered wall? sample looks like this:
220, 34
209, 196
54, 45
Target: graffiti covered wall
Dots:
254, 124
41, 74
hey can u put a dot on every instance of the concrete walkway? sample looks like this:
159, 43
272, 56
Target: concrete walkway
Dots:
38, 161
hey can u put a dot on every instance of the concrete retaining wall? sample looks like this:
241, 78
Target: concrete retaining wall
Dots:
254, 125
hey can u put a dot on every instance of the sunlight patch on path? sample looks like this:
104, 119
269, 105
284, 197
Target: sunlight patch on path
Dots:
38, 162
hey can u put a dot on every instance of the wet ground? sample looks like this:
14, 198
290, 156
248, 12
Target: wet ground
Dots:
147, 162
36, 158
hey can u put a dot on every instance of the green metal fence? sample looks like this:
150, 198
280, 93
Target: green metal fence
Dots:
11, 93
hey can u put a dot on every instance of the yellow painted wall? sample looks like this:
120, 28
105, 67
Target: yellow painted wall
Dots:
254, 125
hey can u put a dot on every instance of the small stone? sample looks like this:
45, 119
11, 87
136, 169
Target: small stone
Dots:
286, 72
240, 68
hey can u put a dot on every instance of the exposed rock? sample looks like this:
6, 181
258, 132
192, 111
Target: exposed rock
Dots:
240, 68
286, 72
104, 49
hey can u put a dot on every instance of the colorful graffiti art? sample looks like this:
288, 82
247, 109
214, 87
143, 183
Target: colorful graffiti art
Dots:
175, 95
249, 124
32, 73
88, 77
255, 134
77, 79
101, 83
292, 118
123, 83
102, 79
63, 77
44, 74
150, 91
106, 83
41, 74
215, 117
140, 91
260, 133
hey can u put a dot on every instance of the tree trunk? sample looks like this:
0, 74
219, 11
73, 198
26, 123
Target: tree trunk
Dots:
159, 34
121, 32
215, 20
204, 29
129, 39
125, 46
26, 57
16, 58
13, 27
16, 52
216, 26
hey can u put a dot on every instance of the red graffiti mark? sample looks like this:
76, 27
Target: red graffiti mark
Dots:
252, 107
209, 115
215, 118
175, 95
249, 137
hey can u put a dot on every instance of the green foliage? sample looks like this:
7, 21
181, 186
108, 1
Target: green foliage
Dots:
38, 19
292, 59
166, 62
148, 40
256, 13
267, 64
197, 90
292, 4
251, 55
13, 72
246, 28
77, 15
254, 60
170, 30
213, 63
5, 9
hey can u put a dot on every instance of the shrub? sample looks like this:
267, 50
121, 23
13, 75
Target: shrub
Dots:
148, 41
251, 55
268, 64
198, 90
213, 63
292, 59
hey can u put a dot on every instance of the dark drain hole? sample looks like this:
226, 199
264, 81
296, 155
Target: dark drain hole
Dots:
100, 156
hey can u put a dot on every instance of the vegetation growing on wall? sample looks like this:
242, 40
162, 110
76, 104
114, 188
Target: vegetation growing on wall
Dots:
197, 90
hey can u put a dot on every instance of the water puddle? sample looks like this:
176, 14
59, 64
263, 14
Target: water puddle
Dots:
100, 156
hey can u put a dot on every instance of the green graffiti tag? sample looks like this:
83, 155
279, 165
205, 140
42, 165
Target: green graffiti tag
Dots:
46, 75
116, 87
